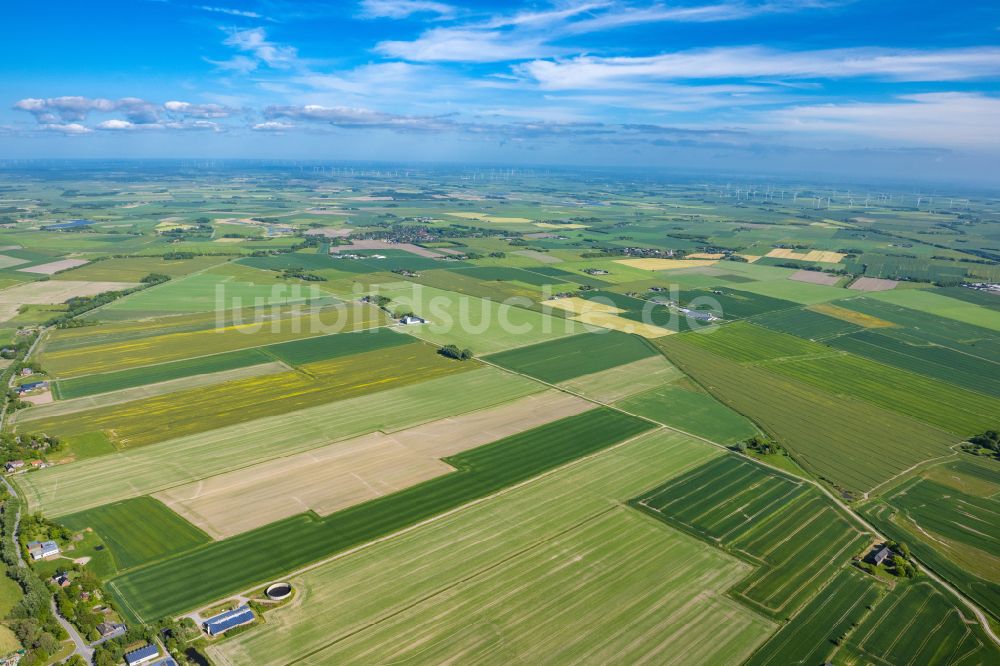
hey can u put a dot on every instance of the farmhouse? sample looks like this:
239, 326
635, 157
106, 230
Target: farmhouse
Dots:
700, 315
143, 655
223, 622
412, 319
881, 555
13, 465
42, 549
109, 630
31, 386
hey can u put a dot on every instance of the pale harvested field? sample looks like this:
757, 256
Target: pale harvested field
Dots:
872, 284
54, 267
63, 489
51, 293
625, 380
229, 240
704, 255
543, 257
820, 256
550, 225
578, 305
665, 264
554, 571
8, 262
814, 277
751, 257
330, 233
339, 475
616, 323
74, 405
382, 245
859, 318
490, 218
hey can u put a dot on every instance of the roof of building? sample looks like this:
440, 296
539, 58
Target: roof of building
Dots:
42, 545
144, 652
229, 619
881, 554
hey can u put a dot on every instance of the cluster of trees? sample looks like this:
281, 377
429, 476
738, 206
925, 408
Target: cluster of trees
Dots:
17, 353
899, 563
76, 602
27, 446
986, 444
31, 619
81, 304
759, 445
300, 274
451, 351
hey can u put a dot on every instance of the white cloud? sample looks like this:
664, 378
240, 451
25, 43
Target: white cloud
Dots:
273, 126
255, 42
943, 120
116, 124
198, 110
588, 72
400, 9
230, 12
68, 128
457, 45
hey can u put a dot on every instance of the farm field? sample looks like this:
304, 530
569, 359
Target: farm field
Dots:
942, 306
52, 292
87, 385
624, 380
138, 530
336, 476
960, 530
773, 520
690, 410
826, 434
148, 469
812, 637
152, 349
918, 625
482, 325
133, 269
149, 420
372, 585
121, 396
584, 354
202, 574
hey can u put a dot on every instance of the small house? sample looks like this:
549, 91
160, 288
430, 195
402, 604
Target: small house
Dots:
13, 465
881, 555
31, 386
39, 550
412, 319
62, 580
27, 372
109, 630
143, 655
223, 622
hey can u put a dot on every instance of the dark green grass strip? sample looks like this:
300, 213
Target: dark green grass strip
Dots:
573, 356
79, 387
310, 350
211, 571
138, 530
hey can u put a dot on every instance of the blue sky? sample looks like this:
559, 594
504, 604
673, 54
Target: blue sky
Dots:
907, 89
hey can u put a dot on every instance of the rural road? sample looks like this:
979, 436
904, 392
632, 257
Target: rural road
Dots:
82, 648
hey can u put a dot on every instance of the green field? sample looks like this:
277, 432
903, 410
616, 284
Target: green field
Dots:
559, 360
813, 635
312, 350
918, 625
482, 325
788, 529
138, 530
950, 365
161, 417
145, 470
962, 412
78, 387
745, 343
692, 411
378, 588
853, 443
942, 306
954, 532
211, 571
806, 324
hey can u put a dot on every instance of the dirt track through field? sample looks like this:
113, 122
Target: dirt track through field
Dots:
339, 475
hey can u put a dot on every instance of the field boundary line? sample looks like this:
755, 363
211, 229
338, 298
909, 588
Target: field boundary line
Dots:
454, 584
445, 514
